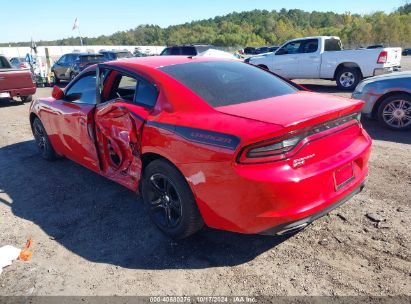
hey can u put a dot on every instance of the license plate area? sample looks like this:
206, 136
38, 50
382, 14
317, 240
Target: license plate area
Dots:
343, 176
4, 95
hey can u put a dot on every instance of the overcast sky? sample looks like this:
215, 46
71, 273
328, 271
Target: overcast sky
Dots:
49, 20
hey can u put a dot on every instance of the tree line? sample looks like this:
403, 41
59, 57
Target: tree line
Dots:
262, 27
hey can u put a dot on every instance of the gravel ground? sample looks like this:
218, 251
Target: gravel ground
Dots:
92, 236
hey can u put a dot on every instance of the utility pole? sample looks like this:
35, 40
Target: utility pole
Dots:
76, 25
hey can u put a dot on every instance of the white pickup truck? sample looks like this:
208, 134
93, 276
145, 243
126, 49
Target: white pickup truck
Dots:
323, 57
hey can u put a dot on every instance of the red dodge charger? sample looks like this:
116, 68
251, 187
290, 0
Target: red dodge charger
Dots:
209, 141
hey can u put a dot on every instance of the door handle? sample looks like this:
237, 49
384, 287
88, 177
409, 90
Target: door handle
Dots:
2, 78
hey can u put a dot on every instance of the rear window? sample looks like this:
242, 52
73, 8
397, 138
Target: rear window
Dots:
223, 83
332, 44
4, 64
92, 58
203, 48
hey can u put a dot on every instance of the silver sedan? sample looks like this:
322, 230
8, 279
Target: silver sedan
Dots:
388, 99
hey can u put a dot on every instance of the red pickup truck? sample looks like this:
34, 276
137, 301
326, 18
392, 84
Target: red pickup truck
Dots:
15, 83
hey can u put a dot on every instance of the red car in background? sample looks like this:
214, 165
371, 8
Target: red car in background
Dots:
209, 141
15, 82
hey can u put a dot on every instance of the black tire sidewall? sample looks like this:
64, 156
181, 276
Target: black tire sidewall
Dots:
191, 220
356, 74
384, 103
48, 152
28, 98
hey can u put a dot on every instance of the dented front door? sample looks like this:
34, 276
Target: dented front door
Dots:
118, 133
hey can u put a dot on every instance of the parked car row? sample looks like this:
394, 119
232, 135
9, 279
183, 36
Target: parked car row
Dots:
70, 65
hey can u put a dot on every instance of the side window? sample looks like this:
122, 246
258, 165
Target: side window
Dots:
290, 48
126, 88
309, 46
188, 51
175, 51
84, 90
165, 52
146, 94
132, 90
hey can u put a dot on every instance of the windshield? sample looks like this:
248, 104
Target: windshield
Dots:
222, 83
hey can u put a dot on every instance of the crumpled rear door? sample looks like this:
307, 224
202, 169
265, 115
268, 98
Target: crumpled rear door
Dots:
118, 135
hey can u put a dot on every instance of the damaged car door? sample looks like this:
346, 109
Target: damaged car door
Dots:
119, 120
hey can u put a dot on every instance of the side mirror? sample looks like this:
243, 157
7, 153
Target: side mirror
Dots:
57, 93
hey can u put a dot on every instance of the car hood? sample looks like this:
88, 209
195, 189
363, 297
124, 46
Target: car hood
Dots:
299, 109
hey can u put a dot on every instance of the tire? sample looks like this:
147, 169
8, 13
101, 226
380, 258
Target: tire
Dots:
56, 79
347, 79
72, 76
394, 112
42, 140
26, 98
170, 201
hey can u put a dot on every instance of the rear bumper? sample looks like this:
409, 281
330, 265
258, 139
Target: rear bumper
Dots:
257, 198
20, 92
295, 226
386, 70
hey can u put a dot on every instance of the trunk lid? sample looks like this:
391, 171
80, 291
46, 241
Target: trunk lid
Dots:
295, 110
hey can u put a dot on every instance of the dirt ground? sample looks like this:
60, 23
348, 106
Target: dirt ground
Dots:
93, 237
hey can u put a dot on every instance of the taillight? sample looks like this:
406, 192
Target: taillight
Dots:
280, 148
382, 58
269, 150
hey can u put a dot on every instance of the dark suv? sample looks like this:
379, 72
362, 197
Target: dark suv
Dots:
186, 50
69, 65
115, 54
406, 52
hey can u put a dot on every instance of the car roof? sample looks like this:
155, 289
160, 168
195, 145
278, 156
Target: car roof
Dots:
191, 45
162, 61
90, 54
82, 53
114, 51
